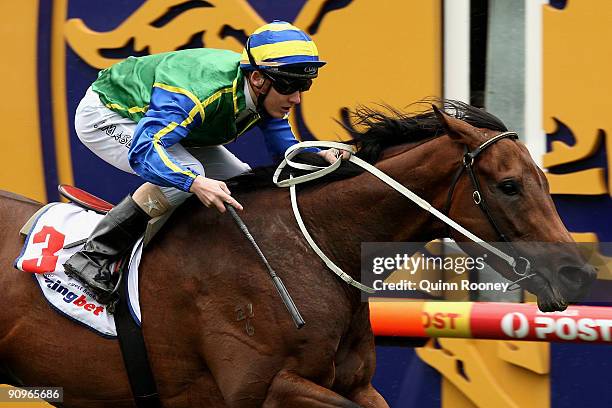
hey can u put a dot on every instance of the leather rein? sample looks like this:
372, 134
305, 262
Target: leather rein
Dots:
520, 265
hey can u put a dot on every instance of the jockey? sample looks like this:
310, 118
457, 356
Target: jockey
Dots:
164, 117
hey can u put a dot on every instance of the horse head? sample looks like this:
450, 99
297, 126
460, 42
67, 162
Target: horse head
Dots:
470, 167
509, 199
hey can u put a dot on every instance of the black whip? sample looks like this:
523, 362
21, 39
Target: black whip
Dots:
278, 283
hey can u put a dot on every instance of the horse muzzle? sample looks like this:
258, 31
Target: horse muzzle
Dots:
575, 281
555, 291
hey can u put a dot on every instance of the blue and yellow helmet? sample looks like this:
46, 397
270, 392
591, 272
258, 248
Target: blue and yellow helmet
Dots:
281, 48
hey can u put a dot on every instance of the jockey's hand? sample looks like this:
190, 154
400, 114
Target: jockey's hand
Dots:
331, 155
213, 193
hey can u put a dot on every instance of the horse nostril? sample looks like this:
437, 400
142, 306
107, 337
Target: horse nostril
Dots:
591, 273
577, 277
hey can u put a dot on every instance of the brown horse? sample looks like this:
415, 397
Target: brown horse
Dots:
217, 334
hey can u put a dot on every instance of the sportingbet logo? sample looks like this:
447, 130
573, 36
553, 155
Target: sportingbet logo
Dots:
517, 325
73, 298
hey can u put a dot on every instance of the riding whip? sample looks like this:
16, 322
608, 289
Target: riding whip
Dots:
278, 283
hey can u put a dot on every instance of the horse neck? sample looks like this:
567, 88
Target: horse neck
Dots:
343, 214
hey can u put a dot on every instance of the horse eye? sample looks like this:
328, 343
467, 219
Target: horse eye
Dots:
509, 187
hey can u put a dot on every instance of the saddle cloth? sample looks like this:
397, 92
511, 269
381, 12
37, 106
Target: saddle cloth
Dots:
43, 255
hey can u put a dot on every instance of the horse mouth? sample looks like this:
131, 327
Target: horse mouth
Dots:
550, 298
572, 284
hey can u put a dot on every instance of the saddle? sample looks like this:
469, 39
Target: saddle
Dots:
91, 202
84, 199
96, 205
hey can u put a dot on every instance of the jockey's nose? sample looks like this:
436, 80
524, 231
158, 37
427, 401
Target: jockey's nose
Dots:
295, 98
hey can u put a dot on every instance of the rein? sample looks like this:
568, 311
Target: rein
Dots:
318, 171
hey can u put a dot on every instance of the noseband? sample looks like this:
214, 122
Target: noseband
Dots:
523, 266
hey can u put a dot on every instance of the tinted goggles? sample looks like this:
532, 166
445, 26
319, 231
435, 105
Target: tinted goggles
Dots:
286, 85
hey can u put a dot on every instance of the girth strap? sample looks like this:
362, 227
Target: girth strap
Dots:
134, 352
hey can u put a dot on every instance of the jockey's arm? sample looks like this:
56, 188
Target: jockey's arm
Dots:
169, 119
278, 137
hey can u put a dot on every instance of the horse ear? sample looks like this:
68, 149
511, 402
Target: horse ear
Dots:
457, 129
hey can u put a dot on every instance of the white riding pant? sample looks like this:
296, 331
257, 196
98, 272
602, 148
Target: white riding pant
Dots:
109, 135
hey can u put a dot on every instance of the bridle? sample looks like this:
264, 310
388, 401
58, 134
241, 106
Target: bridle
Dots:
469, 159
468, 165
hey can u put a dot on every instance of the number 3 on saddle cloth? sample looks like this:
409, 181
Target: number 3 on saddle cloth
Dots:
50, 233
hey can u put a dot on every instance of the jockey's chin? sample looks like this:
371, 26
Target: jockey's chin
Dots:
278, 105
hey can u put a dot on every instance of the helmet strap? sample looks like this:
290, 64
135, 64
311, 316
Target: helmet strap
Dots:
260, 105
261, 96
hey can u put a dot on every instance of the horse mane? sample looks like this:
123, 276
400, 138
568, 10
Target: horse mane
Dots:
383, 130
374, 130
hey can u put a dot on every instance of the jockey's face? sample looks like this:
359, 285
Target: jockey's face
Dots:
277, 105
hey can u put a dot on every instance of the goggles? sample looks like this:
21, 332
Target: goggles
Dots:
287, 86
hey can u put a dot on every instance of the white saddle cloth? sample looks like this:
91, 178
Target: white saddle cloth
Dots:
43, 255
